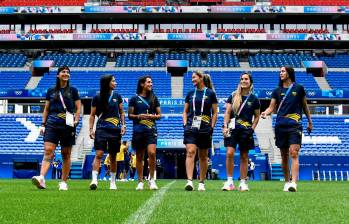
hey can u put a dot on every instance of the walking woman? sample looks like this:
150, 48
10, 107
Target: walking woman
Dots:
108, 107
241, 106
199, 120
59, 120
144, 110
290, 100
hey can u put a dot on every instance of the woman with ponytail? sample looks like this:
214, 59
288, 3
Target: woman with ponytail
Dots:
199, 119
241, 106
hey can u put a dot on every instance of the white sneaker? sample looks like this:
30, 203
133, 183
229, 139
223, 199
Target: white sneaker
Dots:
140, 186
243, 187
93, 185
201, 187
152, 185
189, 186
228, 186
286, 186
112, 186
63, 186
39, 182
292, 187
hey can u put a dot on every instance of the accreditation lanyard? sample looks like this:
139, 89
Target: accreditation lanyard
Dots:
283, 99
69, 117
144, 101
243, 105
231, 124
202, 101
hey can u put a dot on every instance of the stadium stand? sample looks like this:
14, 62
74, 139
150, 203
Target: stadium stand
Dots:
12, 60
76, 60
278, 60
19, 134
14, 80
159, 59
42, 2
127, 81
336, 60
35, 31
338, 80
305, 31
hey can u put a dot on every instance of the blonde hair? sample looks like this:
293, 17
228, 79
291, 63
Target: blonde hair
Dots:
237, 97
206, 79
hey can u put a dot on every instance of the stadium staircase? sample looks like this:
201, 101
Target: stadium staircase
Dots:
33, 82
76, 170
80, 149
265, 136
322, 82
176, 87
276, 172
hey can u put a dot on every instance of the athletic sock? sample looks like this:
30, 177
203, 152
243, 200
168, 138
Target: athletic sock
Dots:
94, 175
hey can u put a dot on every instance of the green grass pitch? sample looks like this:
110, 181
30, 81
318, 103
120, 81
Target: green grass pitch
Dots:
315, 202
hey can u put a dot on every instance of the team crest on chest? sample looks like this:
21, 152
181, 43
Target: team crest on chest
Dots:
294, 93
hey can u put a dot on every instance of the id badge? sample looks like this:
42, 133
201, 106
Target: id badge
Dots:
69, 119
196, 122
231, 124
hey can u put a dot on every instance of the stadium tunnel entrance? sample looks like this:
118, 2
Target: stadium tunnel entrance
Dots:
170, 164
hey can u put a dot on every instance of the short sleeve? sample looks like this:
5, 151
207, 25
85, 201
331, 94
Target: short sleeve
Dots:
275, 94
230, 99
120, 99
75, 94
256, 104
214, 98
94, 101
132, 102
302, 91
157, 103
48, 94
187, 98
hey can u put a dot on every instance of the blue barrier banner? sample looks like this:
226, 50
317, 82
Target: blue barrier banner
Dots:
7, 10
321, 9
313, 165
231, 9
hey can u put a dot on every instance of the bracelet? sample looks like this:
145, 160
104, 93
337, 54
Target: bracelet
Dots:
43, 124
124, 125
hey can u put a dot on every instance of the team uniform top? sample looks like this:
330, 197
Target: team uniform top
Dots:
244, 120
143, 105
111, 119
290, 113
210, 98
56, 115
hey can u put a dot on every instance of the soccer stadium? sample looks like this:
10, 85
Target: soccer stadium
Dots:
102, 121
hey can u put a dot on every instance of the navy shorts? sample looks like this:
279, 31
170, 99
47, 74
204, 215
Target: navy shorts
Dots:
286, 136
108, 140
201, 138
241, 137
64, 136
141, 139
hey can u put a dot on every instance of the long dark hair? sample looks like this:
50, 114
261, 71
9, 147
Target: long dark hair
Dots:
150, 94
291, 74
104, 92
58, 84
